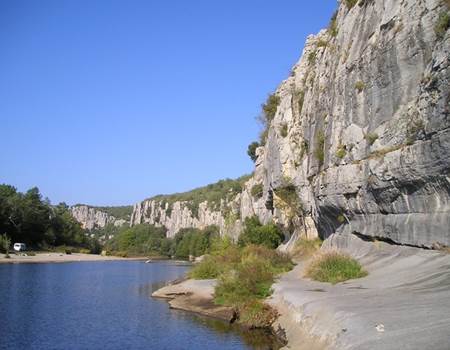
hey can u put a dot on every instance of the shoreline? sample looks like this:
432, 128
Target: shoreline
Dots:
42, 258
403, 300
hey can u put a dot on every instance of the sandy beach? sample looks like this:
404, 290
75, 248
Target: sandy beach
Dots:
59, 258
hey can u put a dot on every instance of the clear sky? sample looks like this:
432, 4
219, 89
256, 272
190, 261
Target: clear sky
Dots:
109, 102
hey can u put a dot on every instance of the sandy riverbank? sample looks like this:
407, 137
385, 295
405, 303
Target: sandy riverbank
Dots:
59, 258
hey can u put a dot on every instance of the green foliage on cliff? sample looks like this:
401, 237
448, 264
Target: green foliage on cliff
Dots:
257, 191
251, 151
442, 25
254, 232
26, 217
119, 212
213, 193
269, 109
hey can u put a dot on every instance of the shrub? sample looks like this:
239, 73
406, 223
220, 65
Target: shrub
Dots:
68, 251
334, 267
5, 243
288, 195
208, 268
257, 191
251, 151
256, 314
442, 25
322, 43
255, 233
312, 57
371, 138
85, 251
270, 107
360, 86
341, 151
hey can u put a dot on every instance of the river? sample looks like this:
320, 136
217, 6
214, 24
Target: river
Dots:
104, 305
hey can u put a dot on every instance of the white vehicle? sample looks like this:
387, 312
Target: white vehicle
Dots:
19, 247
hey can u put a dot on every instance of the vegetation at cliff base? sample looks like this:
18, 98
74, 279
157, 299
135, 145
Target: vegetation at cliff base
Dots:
254, 232
334, 267
27, 218
149, 240
245, 276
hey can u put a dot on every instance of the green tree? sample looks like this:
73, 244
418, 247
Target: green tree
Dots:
254, 232
251, 151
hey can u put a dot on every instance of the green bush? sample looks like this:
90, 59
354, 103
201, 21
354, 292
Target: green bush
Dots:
251, 151
270, 107
257, 191
85, 251
254, 232
334, 267
312, 57
5, 243
360, 86
442, 25
341, 151
208, 268
245, 276
288, 194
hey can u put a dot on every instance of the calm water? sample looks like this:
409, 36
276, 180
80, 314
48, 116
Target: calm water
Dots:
103, 305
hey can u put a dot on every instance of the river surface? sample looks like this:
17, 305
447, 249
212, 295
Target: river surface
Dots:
104, 305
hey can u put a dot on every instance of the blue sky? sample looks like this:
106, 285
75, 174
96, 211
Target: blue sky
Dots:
109, 102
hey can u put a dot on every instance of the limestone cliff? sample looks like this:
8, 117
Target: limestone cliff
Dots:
360, 140
94, 218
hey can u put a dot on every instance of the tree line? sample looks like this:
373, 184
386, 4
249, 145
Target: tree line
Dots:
28, 218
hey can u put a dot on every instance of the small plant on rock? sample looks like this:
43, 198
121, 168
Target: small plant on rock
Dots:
442, 25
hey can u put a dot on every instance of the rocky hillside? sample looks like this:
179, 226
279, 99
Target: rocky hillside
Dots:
99, 217
357, 139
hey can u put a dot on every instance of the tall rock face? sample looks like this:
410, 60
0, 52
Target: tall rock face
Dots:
362, 128
360, 140
92, 218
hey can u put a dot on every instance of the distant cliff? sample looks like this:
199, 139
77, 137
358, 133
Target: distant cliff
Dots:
99, 217
357, 139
